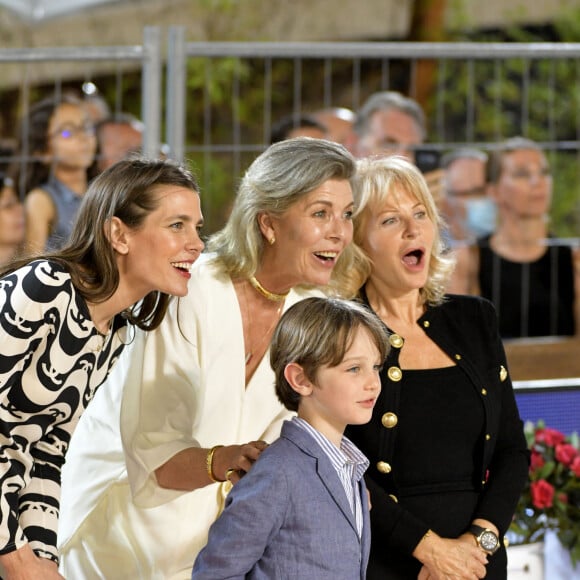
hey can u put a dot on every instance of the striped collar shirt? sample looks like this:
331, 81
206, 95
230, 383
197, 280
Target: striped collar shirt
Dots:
350, 465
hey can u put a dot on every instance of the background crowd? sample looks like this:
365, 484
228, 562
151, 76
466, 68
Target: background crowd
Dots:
495, 203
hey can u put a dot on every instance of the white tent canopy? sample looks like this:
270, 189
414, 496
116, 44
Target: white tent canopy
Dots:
39, 10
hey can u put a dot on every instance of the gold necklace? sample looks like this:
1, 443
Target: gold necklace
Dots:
266, 293
266, 335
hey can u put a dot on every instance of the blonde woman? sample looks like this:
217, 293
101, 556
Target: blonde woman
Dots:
446, 445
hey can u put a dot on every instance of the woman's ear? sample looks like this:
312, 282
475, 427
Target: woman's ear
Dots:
116, 233
265, 222
298, 380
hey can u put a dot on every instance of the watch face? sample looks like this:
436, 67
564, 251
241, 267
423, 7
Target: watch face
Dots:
488, 541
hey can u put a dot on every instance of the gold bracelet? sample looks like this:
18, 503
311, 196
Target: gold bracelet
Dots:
209, 464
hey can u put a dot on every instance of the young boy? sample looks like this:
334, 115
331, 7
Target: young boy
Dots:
302, 510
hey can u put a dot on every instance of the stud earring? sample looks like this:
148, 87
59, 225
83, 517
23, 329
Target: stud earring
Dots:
272, 240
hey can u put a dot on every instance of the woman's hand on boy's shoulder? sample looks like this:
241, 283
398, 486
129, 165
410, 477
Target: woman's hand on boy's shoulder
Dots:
234, 461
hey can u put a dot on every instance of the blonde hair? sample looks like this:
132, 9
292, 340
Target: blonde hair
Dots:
374, 182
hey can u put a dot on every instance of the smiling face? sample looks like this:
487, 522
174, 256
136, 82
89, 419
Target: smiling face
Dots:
159, 254
345, 394
398, 237
308, 238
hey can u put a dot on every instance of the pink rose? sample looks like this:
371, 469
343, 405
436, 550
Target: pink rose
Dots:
566, 453
575, 466
542, 494
549, 436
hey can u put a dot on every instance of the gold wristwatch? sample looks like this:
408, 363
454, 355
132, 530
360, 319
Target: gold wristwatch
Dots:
486, 539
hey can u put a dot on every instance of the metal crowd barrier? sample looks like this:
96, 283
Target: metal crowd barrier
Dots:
147, 58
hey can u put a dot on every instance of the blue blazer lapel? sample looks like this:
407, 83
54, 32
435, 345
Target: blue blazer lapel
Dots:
366, 533
324, 468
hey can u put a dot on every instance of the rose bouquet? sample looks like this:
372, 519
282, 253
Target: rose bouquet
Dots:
551, 499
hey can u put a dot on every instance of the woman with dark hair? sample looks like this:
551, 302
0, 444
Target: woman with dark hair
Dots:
65, 317
197, 400
57, 150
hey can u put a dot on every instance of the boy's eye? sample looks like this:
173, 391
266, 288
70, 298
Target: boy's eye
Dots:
378, 368
177, 225
353, 369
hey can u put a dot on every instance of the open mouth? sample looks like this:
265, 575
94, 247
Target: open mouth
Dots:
182, 266
326, 256
414, 257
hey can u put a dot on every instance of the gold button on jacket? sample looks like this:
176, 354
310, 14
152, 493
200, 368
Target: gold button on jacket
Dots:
389, 420
503, 374
383, 467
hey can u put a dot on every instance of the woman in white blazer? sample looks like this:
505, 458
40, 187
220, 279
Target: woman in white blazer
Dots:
196, 398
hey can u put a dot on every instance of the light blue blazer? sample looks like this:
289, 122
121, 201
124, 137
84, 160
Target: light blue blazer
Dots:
288, 517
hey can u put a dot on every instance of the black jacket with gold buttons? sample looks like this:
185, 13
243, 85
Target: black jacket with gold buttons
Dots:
465, 327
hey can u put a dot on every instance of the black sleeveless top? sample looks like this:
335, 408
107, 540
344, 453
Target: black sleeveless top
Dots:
531, 298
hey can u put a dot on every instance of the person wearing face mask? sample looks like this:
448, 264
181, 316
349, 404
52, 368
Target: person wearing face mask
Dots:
529, 275
469, 212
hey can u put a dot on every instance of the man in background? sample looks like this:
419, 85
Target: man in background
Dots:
297, 125
470, 213
118, 137
389, 123
339, 122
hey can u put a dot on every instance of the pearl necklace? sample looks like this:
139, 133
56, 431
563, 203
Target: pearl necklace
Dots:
266, 293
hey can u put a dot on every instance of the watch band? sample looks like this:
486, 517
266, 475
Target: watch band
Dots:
476, 530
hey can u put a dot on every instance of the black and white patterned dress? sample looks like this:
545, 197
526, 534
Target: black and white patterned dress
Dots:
52, 359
